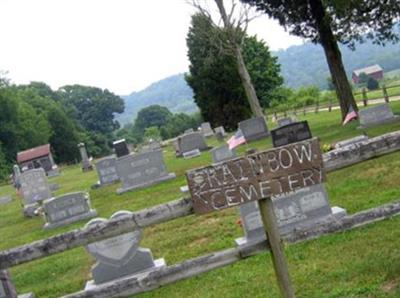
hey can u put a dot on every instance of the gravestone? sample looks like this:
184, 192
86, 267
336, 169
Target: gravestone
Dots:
206, 129
16, 175
220, 133
285, 121
376, 115
191, 154
348, 142
303, 208
191, 141
120, 256
5, 199
142, 170
86, 165
290, 133
189, 130
254, 129
121, 148
65, 209
34, 188
7, 288
222, 153
107, 170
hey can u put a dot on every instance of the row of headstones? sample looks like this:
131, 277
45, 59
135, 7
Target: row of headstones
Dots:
58, 211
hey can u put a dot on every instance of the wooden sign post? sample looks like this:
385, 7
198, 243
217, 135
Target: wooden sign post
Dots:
258, 177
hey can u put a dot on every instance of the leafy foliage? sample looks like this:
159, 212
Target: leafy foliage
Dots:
372, 84
214, 77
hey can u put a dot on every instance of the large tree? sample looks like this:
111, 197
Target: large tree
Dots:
214, 76
92, 107
331, 21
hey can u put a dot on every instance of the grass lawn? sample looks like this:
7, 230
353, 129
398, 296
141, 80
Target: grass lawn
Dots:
361, 263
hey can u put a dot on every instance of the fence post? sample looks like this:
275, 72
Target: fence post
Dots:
365, 98
284, 114
385, 94
7, 286
317, 106
330, 105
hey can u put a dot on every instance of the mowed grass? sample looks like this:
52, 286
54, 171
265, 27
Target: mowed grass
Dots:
361, 263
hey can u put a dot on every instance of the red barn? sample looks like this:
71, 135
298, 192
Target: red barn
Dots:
374, 71
38, 157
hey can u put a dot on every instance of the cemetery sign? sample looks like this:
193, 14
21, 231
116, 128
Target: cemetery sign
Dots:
253, 177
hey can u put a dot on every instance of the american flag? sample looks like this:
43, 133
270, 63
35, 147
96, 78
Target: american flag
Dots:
236, 140
351, 115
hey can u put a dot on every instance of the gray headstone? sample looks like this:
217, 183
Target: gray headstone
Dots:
376, 115
291, 133
142, 170
191, 154
351, 141
206, 129
191, 141
5, 200
121, 148
86, 165
220, 133
254, 129
189, 130
302, 208
119, 256
285, 121
222, 153
34, 186
16, 175
107, 170
66, 209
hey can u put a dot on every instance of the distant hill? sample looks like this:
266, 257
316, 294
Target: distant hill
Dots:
171, 92
301, 65
306, 64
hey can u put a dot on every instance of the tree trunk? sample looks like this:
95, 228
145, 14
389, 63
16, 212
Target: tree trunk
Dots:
333, 57
242, 69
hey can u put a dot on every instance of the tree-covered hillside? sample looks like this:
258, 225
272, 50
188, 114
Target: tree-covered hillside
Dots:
306, 64
171, 92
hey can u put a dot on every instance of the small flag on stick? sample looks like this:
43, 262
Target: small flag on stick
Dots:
236, 140
351, 115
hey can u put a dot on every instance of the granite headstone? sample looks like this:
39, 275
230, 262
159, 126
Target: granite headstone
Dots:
254, 129
142, 170
376, 115
66, 209
86, 165
121, 148
222, 153
191, 141
291, 133
107, 170
206, 129
120, 256
285, 121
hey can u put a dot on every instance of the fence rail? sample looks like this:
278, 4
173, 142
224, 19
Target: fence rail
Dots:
330, 105
333, 160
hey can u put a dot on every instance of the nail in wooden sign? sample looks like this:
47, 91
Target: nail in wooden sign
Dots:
253, 177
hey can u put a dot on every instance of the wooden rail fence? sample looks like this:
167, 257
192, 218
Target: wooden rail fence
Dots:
333, 160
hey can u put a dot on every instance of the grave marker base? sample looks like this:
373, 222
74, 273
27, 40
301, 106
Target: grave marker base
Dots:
158, 264
337, 213
90, 214
167, 177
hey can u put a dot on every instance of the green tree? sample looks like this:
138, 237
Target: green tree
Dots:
372, 84
330, 22
64, 136
92, 107
150, 116
4, 165
214, 78
363, 78
152, 133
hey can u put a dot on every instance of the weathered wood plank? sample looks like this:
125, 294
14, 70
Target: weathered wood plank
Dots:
357, 153
86, 235
333, 160
147, 282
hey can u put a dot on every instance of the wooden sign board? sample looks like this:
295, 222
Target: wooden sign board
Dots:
256, 176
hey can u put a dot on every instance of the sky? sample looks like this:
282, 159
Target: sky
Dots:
121, 45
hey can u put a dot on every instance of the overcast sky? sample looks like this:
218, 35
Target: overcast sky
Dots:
122, 45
